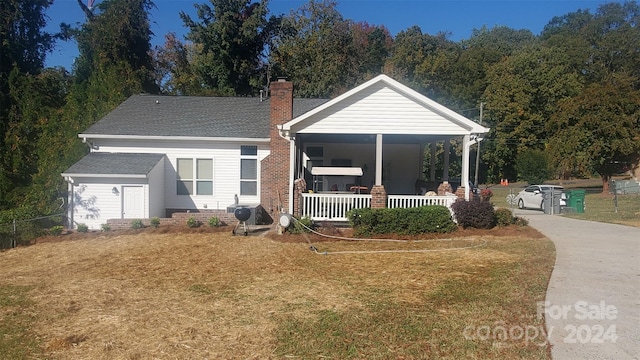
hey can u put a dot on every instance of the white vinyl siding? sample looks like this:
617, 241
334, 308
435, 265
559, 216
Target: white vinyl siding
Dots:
379, 110
226, 168
96, 201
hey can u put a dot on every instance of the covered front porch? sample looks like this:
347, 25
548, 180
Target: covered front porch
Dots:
392, 134
335, 173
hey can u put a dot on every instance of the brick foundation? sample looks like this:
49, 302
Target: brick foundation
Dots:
299, 186
178, 217
460, 193
378, 197
444, 188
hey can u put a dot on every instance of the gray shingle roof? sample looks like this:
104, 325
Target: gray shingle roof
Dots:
114, 164
156, 115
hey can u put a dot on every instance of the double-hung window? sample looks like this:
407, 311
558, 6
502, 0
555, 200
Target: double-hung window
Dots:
195, 177
248, 170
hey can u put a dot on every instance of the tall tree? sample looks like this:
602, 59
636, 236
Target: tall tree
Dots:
174, 67
231, 38
23, 46
522, 94
598, 130
316, 50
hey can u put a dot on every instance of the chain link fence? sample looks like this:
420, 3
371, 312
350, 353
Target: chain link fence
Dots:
22, 231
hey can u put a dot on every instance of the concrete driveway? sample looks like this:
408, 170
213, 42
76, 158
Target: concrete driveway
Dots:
592, 308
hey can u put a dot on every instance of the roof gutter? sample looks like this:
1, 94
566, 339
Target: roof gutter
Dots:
113, 176
84, 138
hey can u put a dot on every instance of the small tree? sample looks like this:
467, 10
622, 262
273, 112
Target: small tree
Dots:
532, 166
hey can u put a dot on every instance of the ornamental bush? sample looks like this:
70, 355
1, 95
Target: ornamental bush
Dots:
474, 214
214, 221
155, 222
410, 221
137, 224
504, 217
83, 228
192, 222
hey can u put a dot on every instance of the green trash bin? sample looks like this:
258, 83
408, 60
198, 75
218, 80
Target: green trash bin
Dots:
575, 200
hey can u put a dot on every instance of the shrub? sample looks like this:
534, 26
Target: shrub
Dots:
300, 225
105, 227
137, 224
214, 221
192, 222
410, 221
486, 194
474, 214
83, 228
56, 230
504, 217
155, 222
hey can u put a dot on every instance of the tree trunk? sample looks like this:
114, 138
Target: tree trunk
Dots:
605, 183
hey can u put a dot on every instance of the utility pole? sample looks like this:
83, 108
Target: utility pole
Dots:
478, 151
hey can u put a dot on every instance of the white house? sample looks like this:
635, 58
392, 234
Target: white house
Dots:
160, 155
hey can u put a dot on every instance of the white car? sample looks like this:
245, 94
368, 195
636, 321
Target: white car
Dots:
532, 196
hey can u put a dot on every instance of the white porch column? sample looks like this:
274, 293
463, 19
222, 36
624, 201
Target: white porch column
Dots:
465, 166
378, 159
445, 171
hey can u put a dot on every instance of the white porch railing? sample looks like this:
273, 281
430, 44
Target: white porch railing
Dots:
411, 201
334, 207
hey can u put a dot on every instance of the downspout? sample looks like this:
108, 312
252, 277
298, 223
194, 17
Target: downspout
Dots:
285, 134
70, 203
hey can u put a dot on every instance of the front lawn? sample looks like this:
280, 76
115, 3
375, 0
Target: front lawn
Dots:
213, 295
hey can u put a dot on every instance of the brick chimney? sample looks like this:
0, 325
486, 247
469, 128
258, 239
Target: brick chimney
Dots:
275, 187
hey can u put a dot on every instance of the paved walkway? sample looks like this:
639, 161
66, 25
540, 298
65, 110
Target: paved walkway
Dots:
593, 299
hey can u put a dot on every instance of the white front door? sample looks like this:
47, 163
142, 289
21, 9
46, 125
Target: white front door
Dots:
132, 202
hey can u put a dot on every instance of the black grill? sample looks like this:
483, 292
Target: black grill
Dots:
242, 213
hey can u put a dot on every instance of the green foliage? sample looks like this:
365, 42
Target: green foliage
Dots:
192, 222
410, 221
474, 214
318, 50
214, 221
137, 224
504, 217
105, 227
532, 166
300, 225
583, 144
155, 222
230, 38
56, 230
83, 228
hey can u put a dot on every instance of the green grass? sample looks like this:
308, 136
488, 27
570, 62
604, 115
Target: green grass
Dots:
599, 207
17, 341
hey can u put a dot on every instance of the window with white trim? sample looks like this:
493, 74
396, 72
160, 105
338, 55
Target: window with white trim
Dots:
248, 170
195, 180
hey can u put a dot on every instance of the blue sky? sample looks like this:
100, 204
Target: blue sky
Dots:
457, 17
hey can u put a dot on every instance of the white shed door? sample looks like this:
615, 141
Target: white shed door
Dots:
132, 202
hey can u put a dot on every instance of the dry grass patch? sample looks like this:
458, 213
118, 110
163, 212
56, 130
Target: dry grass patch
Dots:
203, 295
